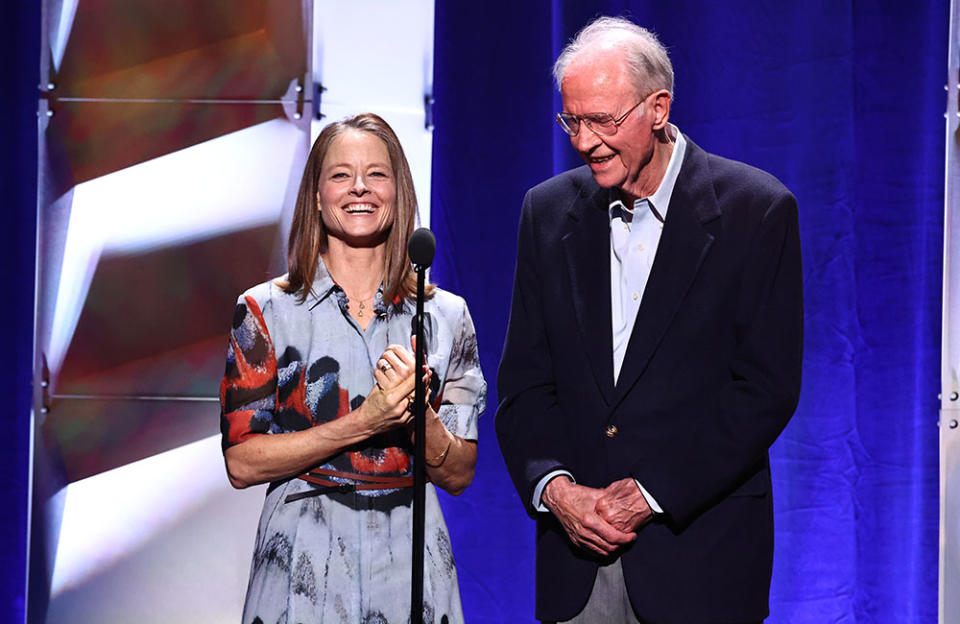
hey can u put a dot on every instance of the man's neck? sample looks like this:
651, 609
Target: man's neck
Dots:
652, 174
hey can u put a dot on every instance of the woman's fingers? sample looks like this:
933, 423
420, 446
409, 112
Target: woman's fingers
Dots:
395, 363
383, 382
389, 366
392, 397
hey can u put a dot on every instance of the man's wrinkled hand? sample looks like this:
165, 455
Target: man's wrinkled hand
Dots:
622, 505
575, 507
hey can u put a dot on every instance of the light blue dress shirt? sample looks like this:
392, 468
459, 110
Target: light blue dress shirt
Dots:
634, 237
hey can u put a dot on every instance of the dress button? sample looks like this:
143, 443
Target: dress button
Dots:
611, 431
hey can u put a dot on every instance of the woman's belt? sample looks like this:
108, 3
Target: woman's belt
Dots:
319, 477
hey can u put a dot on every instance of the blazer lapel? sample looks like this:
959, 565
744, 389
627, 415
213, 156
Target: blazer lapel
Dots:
684, 244
588, 261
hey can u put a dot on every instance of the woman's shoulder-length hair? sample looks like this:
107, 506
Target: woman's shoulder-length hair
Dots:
308, 237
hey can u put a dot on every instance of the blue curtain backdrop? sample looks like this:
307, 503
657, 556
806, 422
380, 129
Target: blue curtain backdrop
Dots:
19, 73
844, 102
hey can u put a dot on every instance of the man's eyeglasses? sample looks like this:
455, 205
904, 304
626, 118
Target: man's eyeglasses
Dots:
601, 123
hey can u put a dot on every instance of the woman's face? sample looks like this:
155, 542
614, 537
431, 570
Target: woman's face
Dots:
357, 191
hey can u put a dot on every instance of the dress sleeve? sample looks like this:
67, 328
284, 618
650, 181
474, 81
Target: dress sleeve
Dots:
464, 393
248, 390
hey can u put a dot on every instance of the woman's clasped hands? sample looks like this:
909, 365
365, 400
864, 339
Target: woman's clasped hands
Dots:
389, 403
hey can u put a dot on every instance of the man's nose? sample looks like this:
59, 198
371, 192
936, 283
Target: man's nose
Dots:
585, 140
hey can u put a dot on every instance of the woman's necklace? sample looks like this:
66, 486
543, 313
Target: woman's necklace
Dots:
362, 307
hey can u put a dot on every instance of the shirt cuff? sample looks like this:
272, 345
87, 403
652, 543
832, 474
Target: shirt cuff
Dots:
647, 495
542, 484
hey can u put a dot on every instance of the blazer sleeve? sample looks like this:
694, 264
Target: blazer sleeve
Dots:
698, 466
528, 415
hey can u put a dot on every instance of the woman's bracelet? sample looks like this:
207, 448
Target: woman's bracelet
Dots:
442, 457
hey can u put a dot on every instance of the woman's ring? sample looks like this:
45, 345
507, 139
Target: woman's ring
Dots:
386, 366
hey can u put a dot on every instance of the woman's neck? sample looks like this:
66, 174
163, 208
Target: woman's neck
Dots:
358, 270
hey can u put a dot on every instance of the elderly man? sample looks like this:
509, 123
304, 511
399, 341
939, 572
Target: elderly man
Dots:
653, 354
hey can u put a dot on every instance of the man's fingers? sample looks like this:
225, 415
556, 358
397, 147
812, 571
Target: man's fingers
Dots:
596, 535
606, 532
600, 550
595, 544
615, 532
576, 508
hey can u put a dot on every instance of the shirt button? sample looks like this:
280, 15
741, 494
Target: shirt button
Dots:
611, 431
636, 296
639, 247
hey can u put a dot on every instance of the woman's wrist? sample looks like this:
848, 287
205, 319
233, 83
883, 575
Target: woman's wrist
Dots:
437, 461
439, 441
363, 422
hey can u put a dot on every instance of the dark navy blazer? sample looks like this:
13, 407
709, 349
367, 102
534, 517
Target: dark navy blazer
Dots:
710, 377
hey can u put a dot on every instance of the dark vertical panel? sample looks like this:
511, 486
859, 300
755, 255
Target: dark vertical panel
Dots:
20, 70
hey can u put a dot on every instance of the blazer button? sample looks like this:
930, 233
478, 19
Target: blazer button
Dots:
611, 431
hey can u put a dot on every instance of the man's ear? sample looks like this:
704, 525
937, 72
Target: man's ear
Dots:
661, 109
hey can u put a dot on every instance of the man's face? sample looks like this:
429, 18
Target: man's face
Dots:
596, 82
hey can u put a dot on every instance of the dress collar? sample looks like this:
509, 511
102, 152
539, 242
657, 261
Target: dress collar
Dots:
324, 286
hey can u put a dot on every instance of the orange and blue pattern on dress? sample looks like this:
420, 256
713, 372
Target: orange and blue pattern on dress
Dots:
334, 545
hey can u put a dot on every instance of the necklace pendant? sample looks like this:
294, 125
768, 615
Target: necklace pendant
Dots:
360, 311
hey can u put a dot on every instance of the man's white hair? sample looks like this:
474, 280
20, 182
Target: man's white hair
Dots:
647, 60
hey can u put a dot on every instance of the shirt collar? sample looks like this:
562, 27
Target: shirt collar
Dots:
323, 286
661, 197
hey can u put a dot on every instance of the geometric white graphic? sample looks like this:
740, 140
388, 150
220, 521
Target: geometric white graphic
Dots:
220, 187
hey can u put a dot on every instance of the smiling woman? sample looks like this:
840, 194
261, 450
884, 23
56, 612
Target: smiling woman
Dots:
357, 190
317, 397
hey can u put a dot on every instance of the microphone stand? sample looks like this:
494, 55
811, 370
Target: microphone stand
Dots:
420, 248
419, 465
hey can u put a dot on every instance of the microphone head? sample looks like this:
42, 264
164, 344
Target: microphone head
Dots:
421, 247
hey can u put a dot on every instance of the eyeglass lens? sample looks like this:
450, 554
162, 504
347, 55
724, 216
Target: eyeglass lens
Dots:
601, 123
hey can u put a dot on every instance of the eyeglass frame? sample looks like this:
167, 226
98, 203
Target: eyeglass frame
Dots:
585, 119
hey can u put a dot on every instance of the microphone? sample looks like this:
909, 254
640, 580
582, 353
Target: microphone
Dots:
422, 247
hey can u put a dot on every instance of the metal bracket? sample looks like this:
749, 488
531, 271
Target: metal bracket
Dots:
428, 102
44, 397
318, 90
